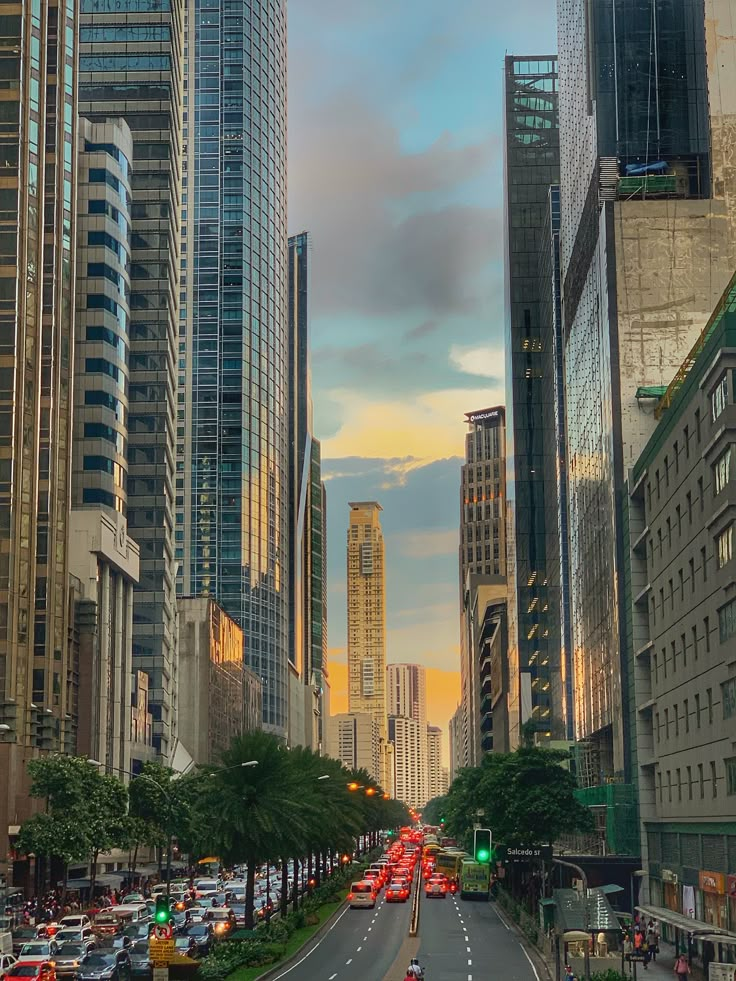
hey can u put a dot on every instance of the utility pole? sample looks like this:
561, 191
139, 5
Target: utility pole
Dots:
586, 910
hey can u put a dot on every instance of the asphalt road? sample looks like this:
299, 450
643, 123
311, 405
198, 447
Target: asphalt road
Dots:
464, 940
361, 945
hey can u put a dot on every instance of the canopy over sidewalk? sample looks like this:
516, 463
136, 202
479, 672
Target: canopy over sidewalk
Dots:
570, 912
698, 928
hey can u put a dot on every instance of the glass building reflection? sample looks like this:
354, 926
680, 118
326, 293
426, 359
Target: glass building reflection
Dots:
233, 429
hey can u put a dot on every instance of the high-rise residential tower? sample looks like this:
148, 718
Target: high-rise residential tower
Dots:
482, 555
367, 613
531, 164
307, 519
355, 740
38, 149
130, 66
234, 345
436, 773
408, 739
406, 692
648, 245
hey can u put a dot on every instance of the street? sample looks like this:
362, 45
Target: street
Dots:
458, 941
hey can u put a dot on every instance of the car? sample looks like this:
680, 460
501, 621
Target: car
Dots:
120, 942
70, 935
40, 970
46, 930
6, 962
239, 911
22, 935
105, 965
138, 931
68, 958
133, 897
78, 921
375, 877
362, 895
186, 946
436, 887
206, 887
203, 937
38, 950
140, 963
397, 892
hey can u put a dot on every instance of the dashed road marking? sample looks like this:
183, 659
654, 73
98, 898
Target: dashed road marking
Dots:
332, 977
350, 961
468, 949
470, 963
358, 950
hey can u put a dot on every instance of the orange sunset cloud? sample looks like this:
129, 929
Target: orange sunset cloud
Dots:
443, 694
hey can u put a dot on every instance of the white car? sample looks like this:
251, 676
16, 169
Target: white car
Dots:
207, 887
76, 921
38, 950
6, 962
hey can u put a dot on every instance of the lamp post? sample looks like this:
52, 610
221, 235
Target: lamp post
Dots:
586, 910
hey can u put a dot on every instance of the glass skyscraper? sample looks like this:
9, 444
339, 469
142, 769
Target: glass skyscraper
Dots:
233, 450
531, 165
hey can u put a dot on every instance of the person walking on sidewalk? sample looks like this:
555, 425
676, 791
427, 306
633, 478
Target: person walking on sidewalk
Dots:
681, 968
652, 940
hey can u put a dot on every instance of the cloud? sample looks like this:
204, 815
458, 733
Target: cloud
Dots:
486, 361
425, 329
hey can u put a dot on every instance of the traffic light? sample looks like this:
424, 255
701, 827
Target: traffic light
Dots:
163, 913
442, 820
482, 845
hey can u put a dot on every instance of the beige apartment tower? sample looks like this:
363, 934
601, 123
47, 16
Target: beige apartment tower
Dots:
367, 614
407, 691
355, 740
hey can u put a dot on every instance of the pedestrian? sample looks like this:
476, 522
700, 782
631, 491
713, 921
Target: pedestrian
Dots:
569, 976
652, 940
681, 968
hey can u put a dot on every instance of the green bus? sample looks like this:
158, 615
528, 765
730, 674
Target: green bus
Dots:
475, 880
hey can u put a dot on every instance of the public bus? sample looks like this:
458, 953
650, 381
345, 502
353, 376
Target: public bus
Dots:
475, 880
449, 863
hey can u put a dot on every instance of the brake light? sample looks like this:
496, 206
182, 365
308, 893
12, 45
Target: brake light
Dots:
350, 895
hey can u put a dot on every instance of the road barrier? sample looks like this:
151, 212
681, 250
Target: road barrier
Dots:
414, 925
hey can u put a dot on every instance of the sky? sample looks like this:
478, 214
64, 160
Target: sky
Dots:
395, 167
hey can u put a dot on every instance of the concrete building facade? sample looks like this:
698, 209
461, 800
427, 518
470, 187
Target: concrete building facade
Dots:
407, 691
213, 700
455, 736
682, 507
37, 271
436, 773
482, 550
105, 561
130, 67
366, 575
354, 738
408, 739
233, 435
626, 334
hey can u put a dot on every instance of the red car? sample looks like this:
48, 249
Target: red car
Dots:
31, 971
397, 892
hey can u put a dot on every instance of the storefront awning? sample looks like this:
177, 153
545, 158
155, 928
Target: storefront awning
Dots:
571, 914
698, 928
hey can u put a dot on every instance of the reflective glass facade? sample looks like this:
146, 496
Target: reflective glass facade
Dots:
233, 451
37, 238
531, 166
138, 76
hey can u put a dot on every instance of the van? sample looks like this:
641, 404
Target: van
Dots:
109, 924
362, 895
139, 912
207, 887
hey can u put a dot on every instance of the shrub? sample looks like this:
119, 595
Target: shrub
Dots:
228, 957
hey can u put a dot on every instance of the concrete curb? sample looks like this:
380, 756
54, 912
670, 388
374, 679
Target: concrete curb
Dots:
277, 969
533, 952
414, 923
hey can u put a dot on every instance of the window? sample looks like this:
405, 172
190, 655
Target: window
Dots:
730, 776
701, 780
666, 472
656, 724
676, 450
713, 778
666, 723
727, 621
701, 494
683, 640
669, 533
691, 566
709, 693
678, 512
728, 698
676, 718
697, 424
706, 628
695, 641
697, 711
724, 547
669, 786
718, 398
686, 438
722, 471
686, 714
689, 783
678, 778
682, 586
704, 562
689, 499
124, 63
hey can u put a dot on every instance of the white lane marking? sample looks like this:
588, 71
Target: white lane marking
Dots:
332, 977
468, 949
358, 950
502, 920
470, 977
369, 930
290, 969
349, 962
531, 962
470, 963
364, 939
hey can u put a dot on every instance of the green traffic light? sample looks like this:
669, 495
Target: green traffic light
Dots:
483, 855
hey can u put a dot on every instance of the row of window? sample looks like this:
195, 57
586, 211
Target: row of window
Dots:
661, 661
124, 63
673, 718
672, 781
125, 32
109, 242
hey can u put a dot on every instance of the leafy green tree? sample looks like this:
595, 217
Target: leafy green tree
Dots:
107, 825
434, 810
164, 801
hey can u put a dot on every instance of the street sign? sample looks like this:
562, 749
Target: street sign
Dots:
528, 853
161, 952
163, 931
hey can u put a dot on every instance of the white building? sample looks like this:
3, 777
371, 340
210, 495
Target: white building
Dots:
406, 691
409, 740
437, 777
354, 738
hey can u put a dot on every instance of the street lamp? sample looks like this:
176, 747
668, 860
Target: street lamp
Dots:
325, 776
586, 910
236, 766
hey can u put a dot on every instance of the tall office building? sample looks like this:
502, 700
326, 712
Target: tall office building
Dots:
38, 150
436, 773
455, 738
234, 346
307, 519
408, 739
648, 244
482, 552
531, 165
354, 738
367, 613
130, 68
406, 692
